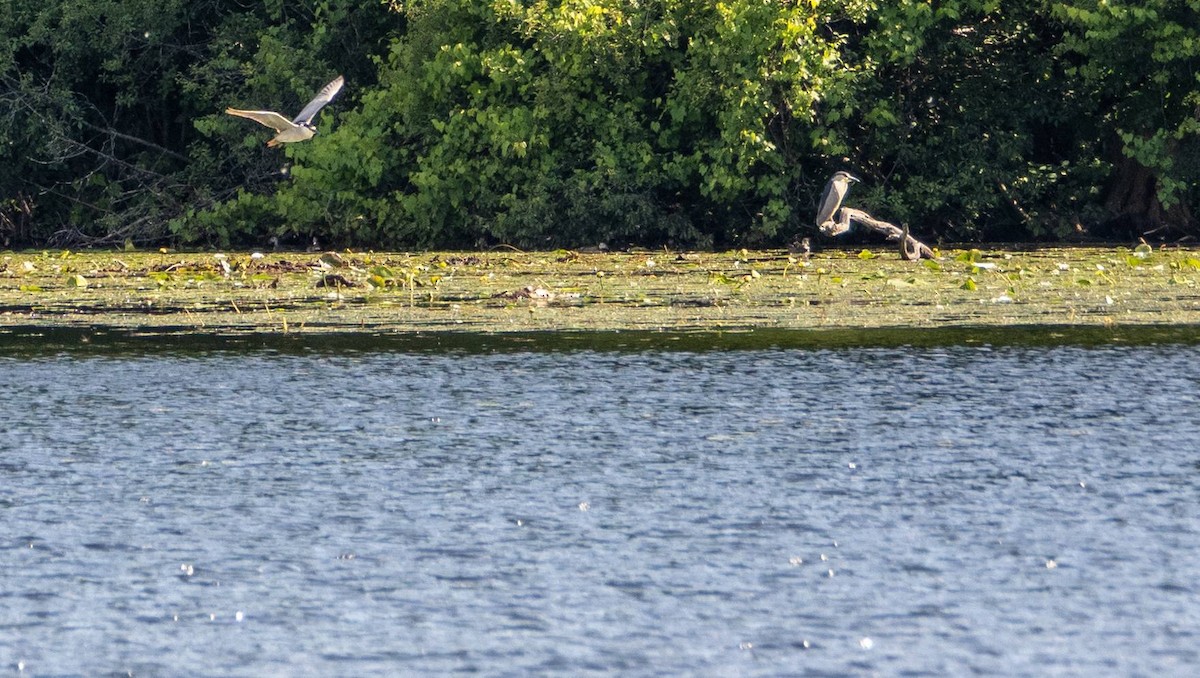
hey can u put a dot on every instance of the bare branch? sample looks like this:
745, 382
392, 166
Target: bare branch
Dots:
128, 137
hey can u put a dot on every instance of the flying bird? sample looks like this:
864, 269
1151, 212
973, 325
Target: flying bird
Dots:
832, 197
299, 128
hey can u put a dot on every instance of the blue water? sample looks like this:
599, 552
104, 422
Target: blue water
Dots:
1014, 510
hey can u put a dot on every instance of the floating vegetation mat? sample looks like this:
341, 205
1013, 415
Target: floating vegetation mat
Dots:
662, 291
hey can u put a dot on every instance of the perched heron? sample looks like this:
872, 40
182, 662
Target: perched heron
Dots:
832, 197
299, 128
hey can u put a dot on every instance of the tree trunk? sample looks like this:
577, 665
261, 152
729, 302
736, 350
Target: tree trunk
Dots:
1133, 205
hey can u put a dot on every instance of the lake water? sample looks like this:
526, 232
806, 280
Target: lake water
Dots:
512, 508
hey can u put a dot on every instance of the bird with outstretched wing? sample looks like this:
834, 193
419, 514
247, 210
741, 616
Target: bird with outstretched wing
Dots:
300, 128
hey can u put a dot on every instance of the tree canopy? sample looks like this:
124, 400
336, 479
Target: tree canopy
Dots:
545, 123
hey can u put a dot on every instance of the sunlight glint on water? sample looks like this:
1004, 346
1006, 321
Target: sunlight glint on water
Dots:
758, 512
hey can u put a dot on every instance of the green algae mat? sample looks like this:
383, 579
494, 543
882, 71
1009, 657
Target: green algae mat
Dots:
533, 292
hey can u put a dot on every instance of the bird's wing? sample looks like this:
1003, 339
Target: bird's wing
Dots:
830, 201
269, 118
327, 93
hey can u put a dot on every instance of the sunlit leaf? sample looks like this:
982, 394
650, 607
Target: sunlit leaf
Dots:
381, 276
969, 285
867, 254
77, 281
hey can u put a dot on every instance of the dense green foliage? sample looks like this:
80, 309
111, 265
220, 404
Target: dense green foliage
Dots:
574, 122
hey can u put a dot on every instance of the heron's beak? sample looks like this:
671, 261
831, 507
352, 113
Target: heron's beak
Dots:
853, 179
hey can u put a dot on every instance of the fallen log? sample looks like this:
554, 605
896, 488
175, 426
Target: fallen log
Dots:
911, 249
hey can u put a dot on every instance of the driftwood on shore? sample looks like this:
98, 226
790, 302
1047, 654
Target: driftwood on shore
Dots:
911, 249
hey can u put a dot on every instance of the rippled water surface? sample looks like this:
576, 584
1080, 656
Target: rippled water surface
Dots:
924, 511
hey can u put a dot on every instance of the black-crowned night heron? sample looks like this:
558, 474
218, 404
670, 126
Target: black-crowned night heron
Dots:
832, 197
299, 128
